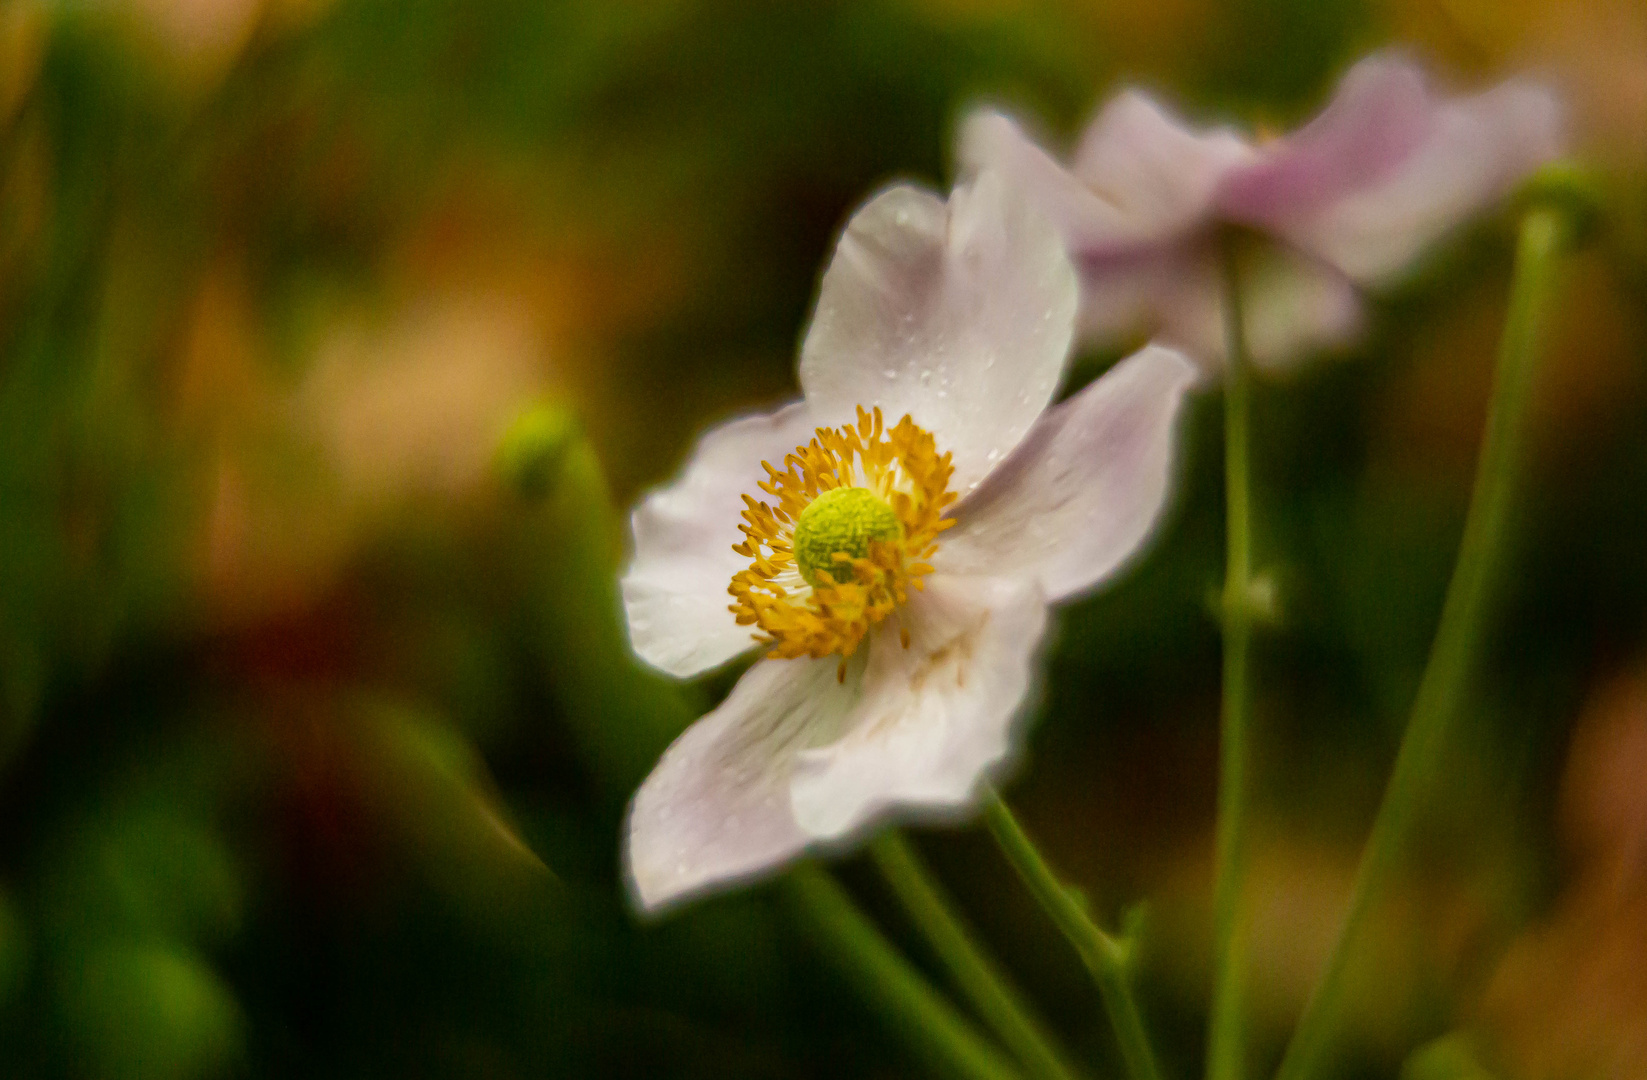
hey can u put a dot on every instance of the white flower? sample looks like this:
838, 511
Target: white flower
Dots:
897, 574
1351, 199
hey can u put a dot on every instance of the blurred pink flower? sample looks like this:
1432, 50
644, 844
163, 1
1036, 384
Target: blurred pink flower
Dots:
1351, 199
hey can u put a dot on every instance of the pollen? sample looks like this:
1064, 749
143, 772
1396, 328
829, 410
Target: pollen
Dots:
848, 527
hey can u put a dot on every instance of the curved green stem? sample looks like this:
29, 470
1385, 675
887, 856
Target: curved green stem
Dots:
1226, 1045
1543, 232
1105, 956
915, 1011
980, 978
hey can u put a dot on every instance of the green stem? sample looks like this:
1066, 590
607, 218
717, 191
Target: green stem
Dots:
917, 1012
1542, 236
1106, 957
975, 972
1226, 1048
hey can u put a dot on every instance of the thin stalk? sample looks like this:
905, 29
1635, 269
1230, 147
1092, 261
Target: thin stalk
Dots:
1226, 1043
1543, 233
916, 1012
980, 978
1105, 956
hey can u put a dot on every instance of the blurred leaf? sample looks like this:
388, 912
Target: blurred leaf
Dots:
146, 1012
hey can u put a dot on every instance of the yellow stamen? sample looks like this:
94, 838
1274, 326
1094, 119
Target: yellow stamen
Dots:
825, 567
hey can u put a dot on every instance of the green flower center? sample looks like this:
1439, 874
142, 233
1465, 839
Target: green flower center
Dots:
845, 520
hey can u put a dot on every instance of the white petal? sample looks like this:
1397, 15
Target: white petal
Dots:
958, 314
674, 590
1476, 151
1157, 170
1085, 489
936, 720
716, 810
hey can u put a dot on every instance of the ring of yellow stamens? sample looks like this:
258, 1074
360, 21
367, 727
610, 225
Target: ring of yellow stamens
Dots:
827, 563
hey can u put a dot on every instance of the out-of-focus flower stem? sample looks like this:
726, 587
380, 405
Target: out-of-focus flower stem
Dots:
1226, 1041
1544, 233
917, 1012
1105, 955
980, 978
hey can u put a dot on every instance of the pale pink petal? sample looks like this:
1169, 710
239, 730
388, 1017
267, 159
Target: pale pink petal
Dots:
1174, 295
1294, 305
674, 589
1380, 115
715, 812
1476, 151
937, 720
1089, 222
1121, 297
1083, 492
1156, 170
959, 314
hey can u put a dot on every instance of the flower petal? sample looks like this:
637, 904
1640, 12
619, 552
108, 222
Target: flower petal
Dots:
674, 590
1085, 489
1088, 221
936, 719
1472, 153
959, 314
1378, 117
1162, 173
1172, 294
1296, 305
1141, 177
716, 809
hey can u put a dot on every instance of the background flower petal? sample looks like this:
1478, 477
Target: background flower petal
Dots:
674, 589
1171, 294
716, 809
1477, 149
936, 719
1296, 305
1084, 490
1089, 221
1379, 116
1160, 172
959, 314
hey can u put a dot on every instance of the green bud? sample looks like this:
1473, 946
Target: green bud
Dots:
532, 450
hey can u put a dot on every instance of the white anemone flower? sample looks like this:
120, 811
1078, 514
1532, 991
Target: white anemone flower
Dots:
896, 563
1350, 200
